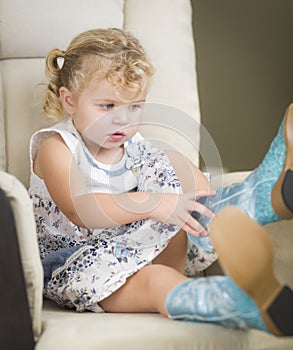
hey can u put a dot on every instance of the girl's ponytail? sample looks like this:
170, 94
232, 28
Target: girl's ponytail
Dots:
52, 106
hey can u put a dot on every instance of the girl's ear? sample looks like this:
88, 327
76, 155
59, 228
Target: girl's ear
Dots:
67, 100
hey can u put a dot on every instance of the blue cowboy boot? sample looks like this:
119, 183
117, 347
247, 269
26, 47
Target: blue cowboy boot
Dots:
266, 195
251, 296
215, 299
218, 300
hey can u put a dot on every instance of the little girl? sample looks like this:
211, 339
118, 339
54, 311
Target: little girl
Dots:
111, 212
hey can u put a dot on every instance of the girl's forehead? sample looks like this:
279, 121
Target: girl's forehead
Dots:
101, 85
101, 88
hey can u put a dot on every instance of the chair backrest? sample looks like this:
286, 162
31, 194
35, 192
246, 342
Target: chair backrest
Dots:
30, 29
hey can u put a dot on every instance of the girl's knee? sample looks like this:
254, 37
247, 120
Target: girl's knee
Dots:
154, 270
145, 291
159, 281
157, 275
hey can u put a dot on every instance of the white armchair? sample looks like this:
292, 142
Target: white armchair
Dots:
28, 30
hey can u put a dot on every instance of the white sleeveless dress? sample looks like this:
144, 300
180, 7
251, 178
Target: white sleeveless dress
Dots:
83, 266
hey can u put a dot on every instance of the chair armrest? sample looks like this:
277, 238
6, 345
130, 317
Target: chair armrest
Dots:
27, 239
14, 317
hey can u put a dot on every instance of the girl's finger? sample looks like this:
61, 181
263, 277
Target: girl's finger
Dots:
190, 230
204, 193
203, 210
196, 227
198, 194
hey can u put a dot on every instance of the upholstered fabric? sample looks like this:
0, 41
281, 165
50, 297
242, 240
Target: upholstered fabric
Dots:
30, 30
174, 88
68, 330
22, 110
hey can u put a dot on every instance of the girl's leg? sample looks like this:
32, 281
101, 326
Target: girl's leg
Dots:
174, 255
191, 178
145, 291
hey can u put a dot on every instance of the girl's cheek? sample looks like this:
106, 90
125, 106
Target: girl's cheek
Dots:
97, 129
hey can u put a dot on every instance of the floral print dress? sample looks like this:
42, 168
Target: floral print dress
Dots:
83, 266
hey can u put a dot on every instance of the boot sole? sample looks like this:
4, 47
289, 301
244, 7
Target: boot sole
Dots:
246, 254
282, 201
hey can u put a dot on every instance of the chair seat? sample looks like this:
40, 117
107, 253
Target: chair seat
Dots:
67, 329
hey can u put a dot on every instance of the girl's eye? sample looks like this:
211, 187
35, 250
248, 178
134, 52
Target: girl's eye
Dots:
134, 108
107, 106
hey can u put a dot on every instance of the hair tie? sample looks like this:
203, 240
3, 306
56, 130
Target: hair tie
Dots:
60, 60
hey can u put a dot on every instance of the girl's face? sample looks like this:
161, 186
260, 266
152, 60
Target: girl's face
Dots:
101, 117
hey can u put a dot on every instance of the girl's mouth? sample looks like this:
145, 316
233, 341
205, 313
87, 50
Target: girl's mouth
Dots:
117, 136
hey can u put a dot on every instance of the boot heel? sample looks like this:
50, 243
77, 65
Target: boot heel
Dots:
287, 189
281, 311
282, 193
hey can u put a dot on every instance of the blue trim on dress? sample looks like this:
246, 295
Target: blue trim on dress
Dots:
117, 172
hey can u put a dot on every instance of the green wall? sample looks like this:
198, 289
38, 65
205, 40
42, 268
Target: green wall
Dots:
245, 73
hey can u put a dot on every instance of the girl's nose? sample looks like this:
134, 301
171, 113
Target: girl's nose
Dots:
121, 116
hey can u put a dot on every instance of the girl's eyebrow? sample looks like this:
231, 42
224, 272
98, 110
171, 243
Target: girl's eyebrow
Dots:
107, 100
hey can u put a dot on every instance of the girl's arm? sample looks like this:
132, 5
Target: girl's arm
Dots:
56, 166
191, 178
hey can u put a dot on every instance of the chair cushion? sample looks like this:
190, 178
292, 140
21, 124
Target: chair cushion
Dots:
68, 330
34, 28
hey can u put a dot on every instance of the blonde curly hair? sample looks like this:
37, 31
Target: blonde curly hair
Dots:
100, 53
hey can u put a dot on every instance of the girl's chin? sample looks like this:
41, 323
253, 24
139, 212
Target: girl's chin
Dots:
109, 143
111, 146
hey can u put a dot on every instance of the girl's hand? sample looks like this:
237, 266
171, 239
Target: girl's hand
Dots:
176, 208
